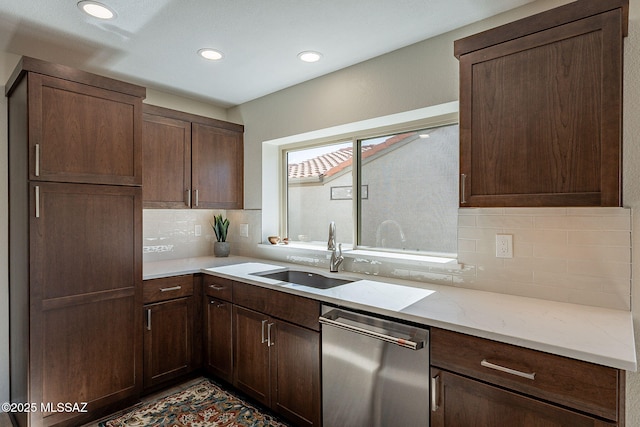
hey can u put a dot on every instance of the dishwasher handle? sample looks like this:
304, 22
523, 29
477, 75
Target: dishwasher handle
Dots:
372, 334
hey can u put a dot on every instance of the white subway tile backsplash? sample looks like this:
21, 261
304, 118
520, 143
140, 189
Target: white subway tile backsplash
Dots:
504, 221
577, 255
602, 269
597, 253
600, 238
466, 221
553, 265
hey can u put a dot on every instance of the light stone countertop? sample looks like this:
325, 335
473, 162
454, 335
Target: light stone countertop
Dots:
597, 335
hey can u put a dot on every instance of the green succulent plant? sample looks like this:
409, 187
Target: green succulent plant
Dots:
220, 227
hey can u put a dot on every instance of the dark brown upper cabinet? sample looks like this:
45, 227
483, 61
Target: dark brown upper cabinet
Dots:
191, 161
82, 128
541, 109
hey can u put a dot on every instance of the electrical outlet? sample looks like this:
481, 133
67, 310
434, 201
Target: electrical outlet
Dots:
504, 245
198, 230
244, 230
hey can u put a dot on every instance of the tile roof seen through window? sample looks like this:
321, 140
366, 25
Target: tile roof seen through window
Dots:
331, 163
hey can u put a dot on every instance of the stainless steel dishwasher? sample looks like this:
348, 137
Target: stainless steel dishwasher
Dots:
375, 372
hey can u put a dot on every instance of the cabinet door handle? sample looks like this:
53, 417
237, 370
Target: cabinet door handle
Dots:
217, 303
270, 341
434, 392
530, 376
174, 288
188, 191
197, 197
37, 201
148, 319
37, 161
463, 188
263, 323
217, 287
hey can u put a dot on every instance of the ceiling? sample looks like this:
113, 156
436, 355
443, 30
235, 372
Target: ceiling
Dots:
155, 42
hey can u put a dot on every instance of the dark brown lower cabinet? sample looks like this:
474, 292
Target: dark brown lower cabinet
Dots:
278, 364
171, 338
480, 382
295, 375
168, 340
219, 341
252, 353
462, 401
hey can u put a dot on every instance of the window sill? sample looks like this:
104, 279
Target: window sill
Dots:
360, 254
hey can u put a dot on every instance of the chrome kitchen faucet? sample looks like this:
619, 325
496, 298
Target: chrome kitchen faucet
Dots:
336, 259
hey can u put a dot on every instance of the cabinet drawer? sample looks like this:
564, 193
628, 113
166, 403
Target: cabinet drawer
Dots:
580, 385
218, 287
167, 288
292, 308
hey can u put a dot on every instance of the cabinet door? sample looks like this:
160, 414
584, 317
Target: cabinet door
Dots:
540, 116
460, 401
166, 149
217, 162
296, 373
251, 353
167, 340
81, 133
219, 342
85, 271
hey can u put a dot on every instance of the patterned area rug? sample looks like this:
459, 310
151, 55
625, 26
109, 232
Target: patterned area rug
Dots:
201, 405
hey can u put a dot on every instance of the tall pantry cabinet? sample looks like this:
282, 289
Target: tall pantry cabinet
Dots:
75, 242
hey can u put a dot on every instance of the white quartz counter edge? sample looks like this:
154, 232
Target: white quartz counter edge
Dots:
592, 334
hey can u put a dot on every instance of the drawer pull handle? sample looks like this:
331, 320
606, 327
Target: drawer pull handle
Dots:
530, 376
175, 288
217, 287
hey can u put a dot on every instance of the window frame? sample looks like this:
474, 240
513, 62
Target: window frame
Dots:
274, 219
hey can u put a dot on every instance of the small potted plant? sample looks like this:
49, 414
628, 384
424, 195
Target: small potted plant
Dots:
220, 227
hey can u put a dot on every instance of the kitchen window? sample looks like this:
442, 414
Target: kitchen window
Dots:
398, 193
396, 198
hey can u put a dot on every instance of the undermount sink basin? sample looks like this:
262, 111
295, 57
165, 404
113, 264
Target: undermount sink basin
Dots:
313, 280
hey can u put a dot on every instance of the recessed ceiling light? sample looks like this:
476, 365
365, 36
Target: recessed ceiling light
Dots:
97, 10
310, 56
424, 135
211, 54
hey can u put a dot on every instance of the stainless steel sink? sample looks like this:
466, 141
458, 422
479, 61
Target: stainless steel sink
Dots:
305, 278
